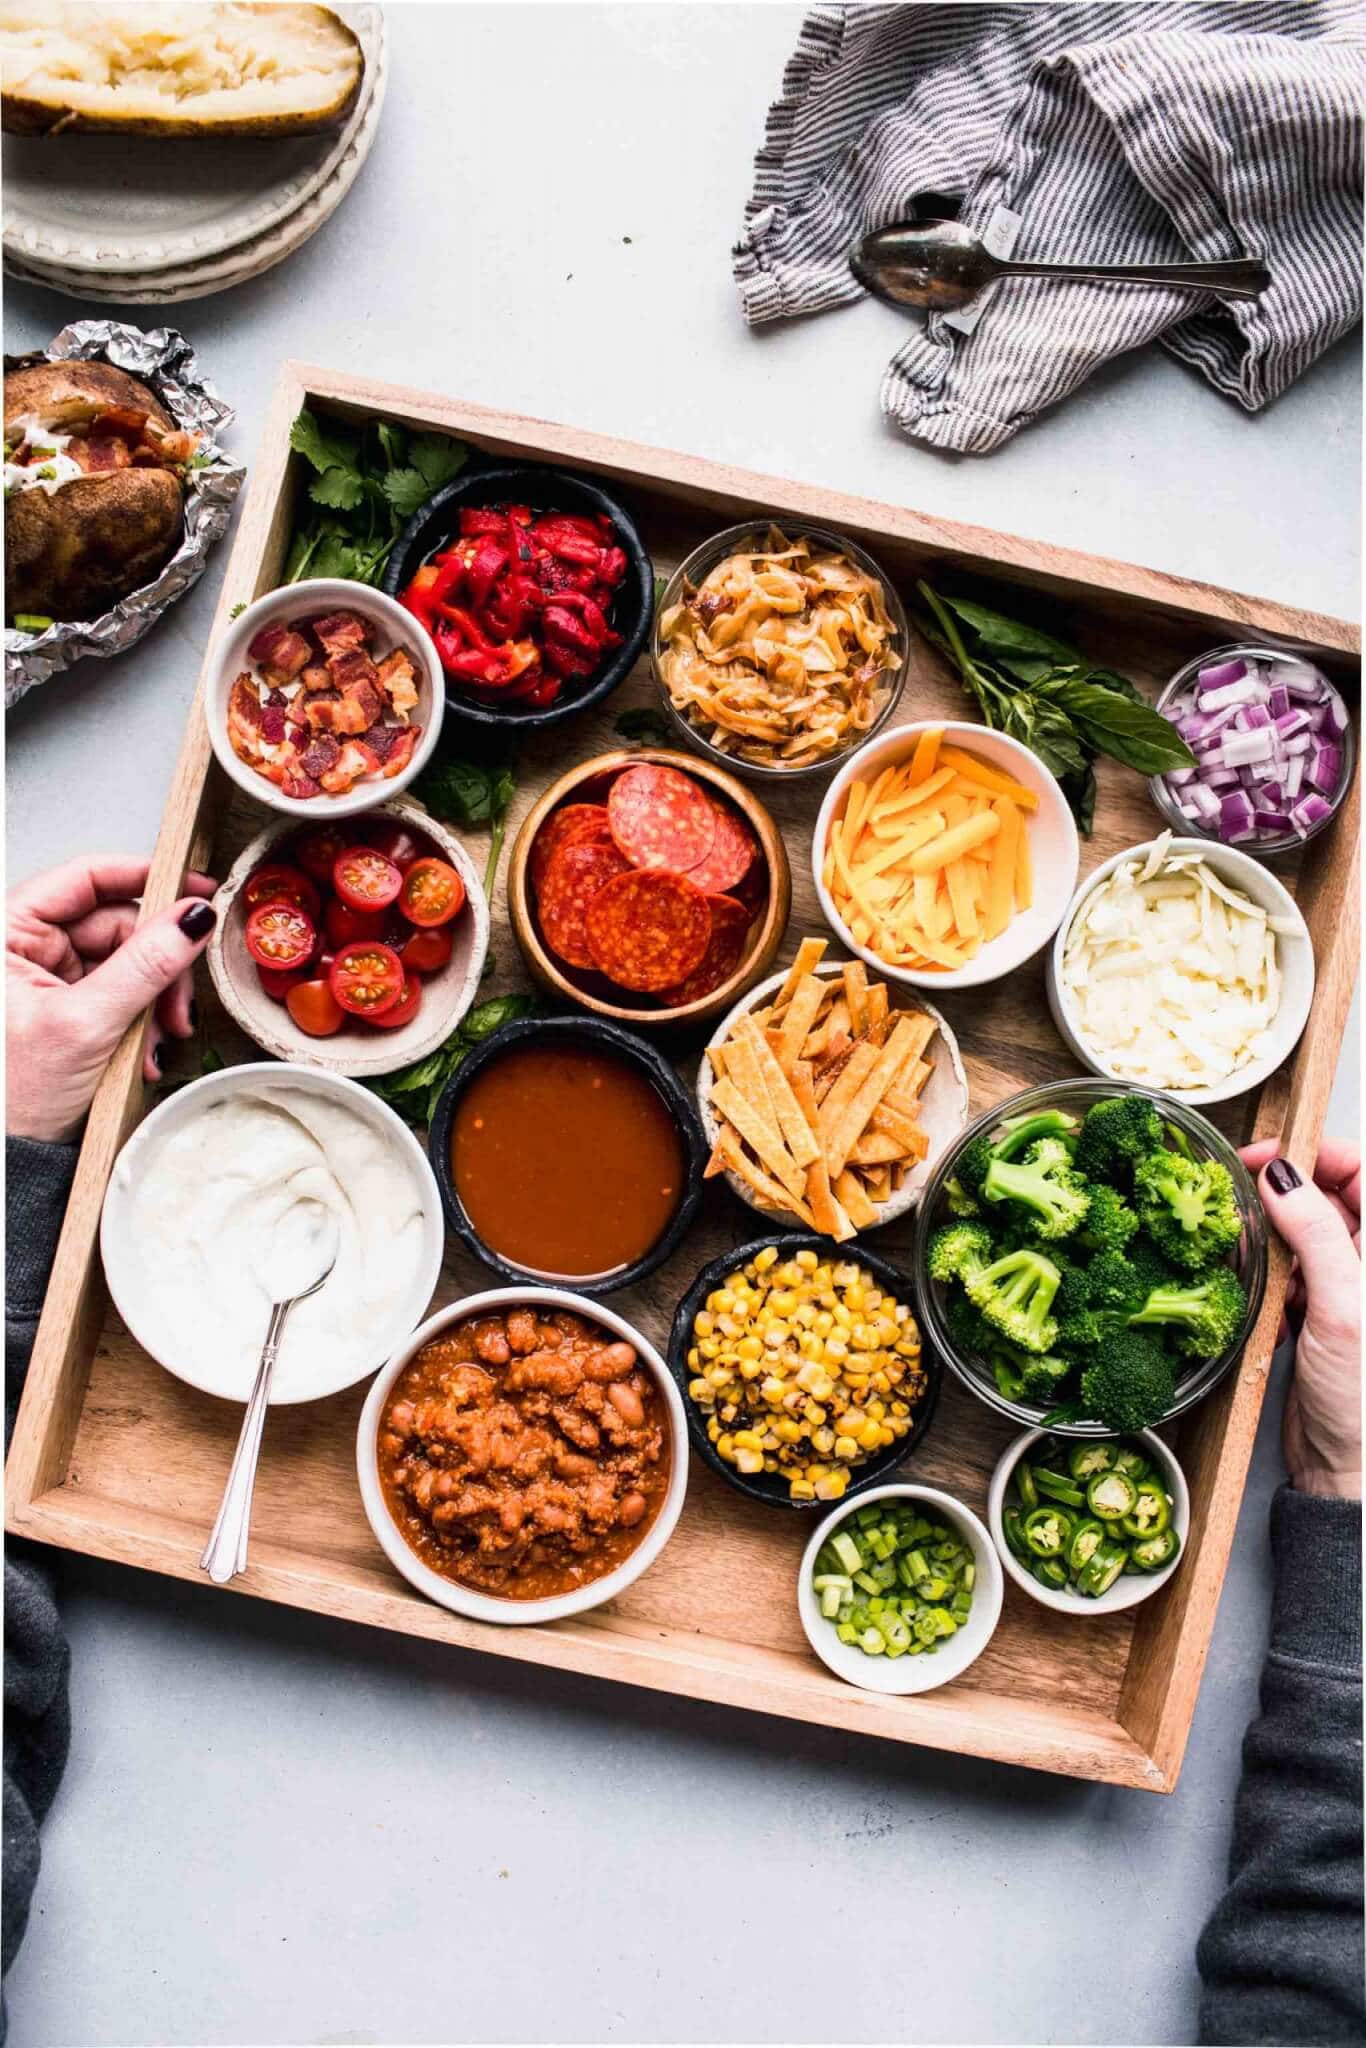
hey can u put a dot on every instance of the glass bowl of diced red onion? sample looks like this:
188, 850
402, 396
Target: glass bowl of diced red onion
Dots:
1274, 748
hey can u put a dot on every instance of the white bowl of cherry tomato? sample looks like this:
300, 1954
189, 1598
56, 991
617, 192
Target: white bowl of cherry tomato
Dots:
354, 945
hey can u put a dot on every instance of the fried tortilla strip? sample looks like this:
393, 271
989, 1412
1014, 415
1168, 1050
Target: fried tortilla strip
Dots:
830, 1216
768, 1191
810, 953
856, 995
879, 1006
757, 1126
802, 1012
895, 1124
855, 1203
842, 1126
879, 1184
800, 1139
835, 1104
877, 1148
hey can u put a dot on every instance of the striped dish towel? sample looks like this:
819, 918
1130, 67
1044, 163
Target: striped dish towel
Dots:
1165, 131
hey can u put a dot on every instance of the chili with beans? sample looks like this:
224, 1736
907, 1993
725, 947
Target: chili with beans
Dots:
524, 1454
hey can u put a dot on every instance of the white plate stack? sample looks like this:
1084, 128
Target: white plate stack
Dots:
138, 220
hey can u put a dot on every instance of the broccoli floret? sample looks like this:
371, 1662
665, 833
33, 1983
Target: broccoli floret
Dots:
1042, 1378
1110, 1222
960, 1202
1022, 1131
1130, 1384
1015, 1294
1049, 1190
1150, 1266
1203, 1315
1073, 1295
968, 1327
1006, 1372
958, 1250
1113, 1282
1082, 1335
1115, 1135
973, 1162
1188, 1208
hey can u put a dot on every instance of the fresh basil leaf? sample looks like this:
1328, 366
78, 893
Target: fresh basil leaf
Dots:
1080, 791
459, 791
1001, 635
438, 458
644, 725
407, 490
486, 1018
1132, 733
330, 447
340, 489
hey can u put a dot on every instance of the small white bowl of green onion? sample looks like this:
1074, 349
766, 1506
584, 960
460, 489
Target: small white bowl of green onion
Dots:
1089, 1525
900, 1590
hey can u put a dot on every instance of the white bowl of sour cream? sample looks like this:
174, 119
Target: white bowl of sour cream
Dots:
197, 1197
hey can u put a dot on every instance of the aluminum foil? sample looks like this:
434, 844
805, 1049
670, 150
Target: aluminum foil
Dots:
166, 363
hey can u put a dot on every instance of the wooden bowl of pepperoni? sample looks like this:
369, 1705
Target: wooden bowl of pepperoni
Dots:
650, 887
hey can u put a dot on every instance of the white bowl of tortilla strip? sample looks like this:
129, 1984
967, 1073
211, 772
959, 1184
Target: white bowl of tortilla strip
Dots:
878, 1065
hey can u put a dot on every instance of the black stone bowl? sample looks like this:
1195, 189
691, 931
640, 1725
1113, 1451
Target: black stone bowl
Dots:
602, 1037
768, 1488
545, 490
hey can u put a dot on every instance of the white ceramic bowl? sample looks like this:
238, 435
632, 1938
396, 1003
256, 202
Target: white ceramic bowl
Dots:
1052, 847
485, 1606
123, 1255
305, 600
1131, 1587
1295, 952
944, 1100
446, 995
956, 1652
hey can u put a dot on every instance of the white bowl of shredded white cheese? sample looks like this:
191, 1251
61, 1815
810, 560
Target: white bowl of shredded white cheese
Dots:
1182, 966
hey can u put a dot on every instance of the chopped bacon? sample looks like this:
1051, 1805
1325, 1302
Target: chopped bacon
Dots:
316, 677
243, 701
119, 419
106, 454
354, 761
364, 703
272, 725
353, 666
284, 652
297, 784
380, 739
401, 752
320, 754
322, 709
147, 458
341, 632
396, 677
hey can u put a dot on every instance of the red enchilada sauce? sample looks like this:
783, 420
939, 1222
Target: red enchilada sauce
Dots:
567, 1161
524, 1454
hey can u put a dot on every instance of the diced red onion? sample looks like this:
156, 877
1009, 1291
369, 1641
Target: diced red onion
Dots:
1220, 778
1241, 747
1325, 770
1179, 777
1249, 717
1291, 722
1300, 744
1237, 819
1294, 776
1243, 691
1203, 802
1338, 716
1268, 736
1278, 702
1309, 811
1272, 821
1221, 672
1303, 682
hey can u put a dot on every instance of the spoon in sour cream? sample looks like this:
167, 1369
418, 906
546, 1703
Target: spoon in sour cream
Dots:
294, 1261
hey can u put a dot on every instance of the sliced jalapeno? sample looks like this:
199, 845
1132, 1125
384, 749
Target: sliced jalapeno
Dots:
1086, 1460
1150, 1514
1050, 1571
1111, 1496
1106, 1563
1132, 1461
1048, 1531
1024, 1485
1153, 1552
1086, 1538
1058, 1486
1012, 1521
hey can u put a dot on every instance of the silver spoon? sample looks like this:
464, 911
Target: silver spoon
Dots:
941, 265
302, 1247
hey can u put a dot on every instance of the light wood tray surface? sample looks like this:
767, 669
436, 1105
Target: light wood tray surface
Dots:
115, 1458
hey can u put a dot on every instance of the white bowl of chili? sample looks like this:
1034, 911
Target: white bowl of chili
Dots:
609, 1384
1020, 1556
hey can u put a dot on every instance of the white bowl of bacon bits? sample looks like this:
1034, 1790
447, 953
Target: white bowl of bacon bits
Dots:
351, 945
325, 698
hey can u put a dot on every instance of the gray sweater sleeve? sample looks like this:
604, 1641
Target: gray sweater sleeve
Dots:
38, 1181
1281, 1959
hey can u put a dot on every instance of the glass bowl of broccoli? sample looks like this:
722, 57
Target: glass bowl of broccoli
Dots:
1090, 1256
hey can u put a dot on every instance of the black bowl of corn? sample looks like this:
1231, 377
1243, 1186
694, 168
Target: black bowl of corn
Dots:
803, 1373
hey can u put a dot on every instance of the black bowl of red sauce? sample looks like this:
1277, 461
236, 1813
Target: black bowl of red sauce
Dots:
567, 1151
627, 607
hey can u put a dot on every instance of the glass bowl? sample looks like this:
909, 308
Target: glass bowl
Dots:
695, 570
1249, 1260
1165, 798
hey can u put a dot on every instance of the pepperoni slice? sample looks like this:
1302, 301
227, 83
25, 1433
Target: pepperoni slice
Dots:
730, 857
730, 923
661, 818
575, 876
570, 822
648, 930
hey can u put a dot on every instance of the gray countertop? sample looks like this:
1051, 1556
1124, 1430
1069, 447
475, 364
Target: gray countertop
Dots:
278, 1829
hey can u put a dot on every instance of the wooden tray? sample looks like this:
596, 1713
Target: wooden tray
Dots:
114, 1457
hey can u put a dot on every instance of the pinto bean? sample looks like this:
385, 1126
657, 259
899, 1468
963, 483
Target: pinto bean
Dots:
400, 1418
521, 1329
542, 1373
490, 1341
631, 1510
572, 1465
627, 1403
611, 1362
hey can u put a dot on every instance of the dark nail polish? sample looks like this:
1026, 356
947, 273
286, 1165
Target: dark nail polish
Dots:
194, 1014
198, 921
159, 1057
1283, 1177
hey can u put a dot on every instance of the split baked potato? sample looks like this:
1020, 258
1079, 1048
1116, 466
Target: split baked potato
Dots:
94, 488
175, 68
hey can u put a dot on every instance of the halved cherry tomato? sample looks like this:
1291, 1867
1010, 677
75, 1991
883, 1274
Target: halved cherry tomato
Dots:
366, 979
318, 850
433, 893
395, 841
278, 981
277, 882
315, 1009
427, 952
281, 935
407, 1006
347, 927
365, 879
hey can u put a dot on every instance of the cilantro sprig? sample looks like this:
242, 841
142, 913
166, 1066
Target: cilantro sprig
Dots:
367, 482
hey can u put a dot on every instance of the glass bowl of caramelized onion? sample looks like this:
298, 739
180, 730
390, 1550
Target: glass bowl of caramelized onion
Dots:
779, 649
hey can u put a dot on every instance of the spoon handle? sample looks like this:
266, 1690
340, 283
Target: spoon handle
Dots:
225, 1554
1241, 277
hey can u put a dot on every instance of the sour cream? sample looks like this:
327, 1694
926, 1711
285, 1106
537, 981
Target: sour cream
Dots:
50, 466
206, 1208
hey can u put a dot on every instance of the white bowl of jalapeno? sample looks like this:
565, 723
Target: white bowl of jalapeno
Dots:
1089, 1525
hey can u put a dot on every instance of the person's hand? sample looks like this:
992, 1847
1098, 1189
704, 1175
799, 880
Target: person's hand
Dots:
1320, 1220
76, 975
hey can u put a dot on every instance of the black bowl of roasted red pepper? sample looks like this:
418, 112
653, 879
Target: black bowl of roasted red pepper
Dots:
535, 587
